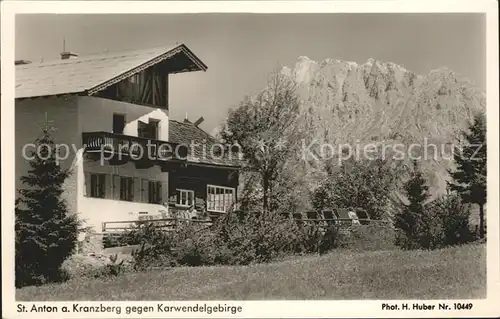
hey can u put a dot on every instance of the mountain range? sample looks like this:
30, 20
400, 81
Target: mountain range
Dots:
383, 103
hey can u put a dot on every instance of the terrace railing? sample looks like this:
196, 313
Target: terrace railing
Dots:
322, 220
133, 146
167, 224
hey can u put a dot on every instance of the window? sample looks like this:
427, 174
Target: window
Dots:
154, 192
148, 130
219, 198
126, 188
185, 198
154, 128
118, 123
97, 185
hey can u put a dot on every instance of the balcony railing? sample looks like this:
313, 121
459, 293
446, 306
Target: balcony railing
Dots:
134, 147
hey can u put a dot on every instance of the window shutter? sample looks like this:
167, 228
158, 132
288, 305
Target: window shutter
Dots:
228, 199
164, 193
116, 186
137, 189
145, 191
87, 184
190, 198
108, 186
210, 199
141, 128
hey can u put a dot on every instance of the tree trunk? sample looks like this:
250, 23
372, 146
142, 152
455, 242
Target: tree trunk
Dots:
481, 221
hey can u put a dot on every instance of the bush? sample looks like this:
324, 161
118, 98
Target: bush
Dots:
242, 239
365, 185
155, 249
193, 245
444, 222
96, 266
121, 239
453, 216
374, 236
440, 223
236, 238
329, 239
112, 269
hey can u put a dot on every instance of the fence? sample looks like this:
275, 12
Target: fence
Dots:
322, 219
168, 224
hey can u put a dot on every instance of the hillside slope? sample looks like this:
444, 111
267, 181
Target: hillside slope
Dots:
451, 273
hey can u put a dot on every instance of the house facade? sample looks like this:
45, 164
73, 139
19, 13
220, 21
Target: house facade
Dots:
128, 160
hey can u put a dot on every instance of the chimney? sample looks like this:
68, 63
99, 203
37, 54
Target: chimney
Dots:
186, 118
199, 121
21, 62
68, 55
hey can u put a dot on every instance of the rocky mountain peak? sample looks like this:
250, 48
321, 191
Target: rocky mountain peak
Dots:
384, 102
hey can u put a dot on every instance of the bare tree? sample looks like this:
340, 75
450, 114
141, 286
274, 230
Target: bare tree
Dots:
265, 128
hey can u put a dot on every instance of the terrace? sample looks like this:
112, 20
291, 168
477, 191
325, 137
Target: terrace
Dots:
133, 147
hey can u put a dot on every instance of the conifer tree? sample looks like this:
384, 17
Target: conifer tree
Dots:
46, 233
469, 178
410, 220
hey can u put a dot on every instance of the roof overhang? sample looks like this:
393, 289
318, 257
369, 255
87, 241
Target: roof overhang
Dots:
181, 57
209, 165
220, 166
193, 64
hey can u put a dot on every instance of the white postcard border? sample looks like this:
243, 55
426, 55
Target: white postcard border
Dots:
254, 309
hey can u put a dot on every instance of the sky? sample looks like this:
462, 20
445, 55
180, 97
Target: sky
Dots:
241, 50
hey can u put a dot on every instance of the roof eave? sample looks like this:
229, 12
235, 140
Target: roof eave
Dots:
162, 57
202, 66
221, 166
50, 95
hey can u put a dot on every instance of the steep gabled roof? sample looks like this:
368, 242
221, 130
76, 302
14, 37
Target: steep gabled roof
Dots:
186, 133
88, 75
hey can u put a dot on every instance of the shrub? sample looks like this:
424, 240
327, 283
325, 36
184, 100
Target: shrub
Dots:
248, 238
329, 239
237, 238
194, 245
96, 266
453, 216
260, 237
155, 249
365, 185
111, 269
191, 244
429, 229
121, 239
309, 238
374, 236
443, 222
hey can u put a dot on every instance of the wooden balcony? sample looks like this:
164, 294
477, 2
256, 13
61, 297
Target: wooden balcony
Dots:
133, 147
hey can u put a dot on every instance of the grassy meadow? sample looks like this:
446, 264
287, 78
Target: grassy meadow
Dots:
457, 272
